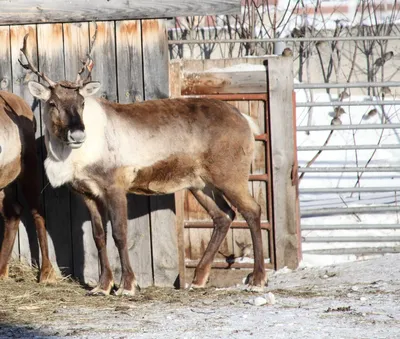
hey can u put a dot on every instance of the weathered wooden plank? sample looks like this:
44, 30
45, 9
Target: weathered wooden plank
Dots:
84, 256
57, 201
244, 79
5, 59
129, 56
6, 85
28, 245
130, 89
280, 76
258, 112
40, 11
155, 70
175, 70
196, 240
105, 59
104, 56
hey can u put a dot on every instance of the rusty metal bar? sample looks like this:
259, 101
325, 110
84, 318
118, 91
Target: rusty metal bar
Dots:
258, 177
265, 225
261, 137
225, 265
252, 177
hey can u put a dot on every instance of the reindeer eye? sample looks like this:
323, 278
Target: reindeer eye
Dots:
52, 103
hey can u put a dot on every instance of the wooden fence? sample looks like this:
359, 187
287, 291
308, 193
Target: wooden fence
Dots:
131, 61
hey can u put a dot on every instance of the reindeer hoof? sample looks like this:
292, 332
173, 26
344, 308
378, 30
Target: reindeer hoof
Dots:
4, 275
48, 276
194, 286
255, 289
98, 291
128, 292
123, 292
254, 284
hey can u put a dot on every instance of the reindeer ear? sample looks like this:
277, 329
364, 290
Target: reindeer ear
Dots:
39, 91
90, 88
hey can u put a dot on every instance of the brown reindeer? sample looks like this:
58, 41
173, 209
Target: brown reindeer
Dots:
18, 163
104, 150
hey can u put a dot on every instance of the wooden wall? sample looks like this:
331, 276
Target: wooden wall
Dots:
131, 61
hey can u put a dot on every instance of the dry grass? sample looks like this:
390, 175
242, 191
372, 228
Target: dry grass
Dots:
25, 301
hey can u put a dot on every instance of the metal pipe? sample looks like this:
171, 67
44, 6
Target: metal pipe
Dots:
346, 147
347, 103
346, 85
310, 39
355, 250
318, 190
346, 127
331, 227
311, 212
352, 239
347, 169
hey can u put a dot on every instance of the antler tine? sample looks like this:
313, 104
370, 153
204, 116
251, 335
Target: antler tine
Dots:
88, 63
30, 66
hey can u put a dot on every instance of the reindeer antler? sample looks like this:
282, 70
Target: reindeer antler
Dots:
29, 65
88, 63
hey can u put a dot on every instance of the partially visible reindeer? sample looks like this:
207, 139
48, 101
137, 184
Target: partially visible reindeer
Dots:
104, 150
18, 163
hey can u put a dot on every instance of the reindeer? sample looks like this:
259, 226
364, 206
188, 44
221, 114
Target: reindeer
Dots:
104, 150
18, 163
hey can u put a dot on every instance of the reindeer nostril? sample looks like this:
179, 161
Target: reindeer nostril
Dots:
77, 136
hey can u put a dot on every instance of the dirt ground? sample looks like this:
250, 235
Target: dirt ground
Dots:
352, 300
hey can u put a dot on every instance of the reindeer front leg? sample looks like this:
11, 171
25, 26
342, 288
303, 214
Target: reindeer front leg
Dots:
118, 213
97, 213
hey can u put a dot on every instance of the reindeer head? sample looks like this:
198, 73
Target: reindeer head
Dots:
64, 102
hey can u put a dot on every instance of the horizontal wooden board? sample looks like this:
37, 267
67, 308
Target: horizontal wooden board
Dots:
246, 81
47, 11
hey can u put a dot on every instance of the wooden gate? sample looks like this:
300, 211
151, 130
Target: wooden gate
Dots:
256, 90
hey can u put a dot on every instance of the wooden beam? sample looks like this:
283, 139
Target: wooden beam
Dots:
48, 11
226, 81
280, 86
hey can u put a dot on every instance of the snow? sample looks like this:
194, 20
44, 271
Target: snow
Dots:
357, 300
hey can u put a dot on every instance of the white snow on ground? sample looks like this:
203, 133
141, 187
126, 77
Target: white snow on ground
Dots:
351, 301
350, 158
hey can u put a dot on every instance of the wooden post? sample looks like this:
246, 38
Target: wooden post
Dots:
175, 92
280, 88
